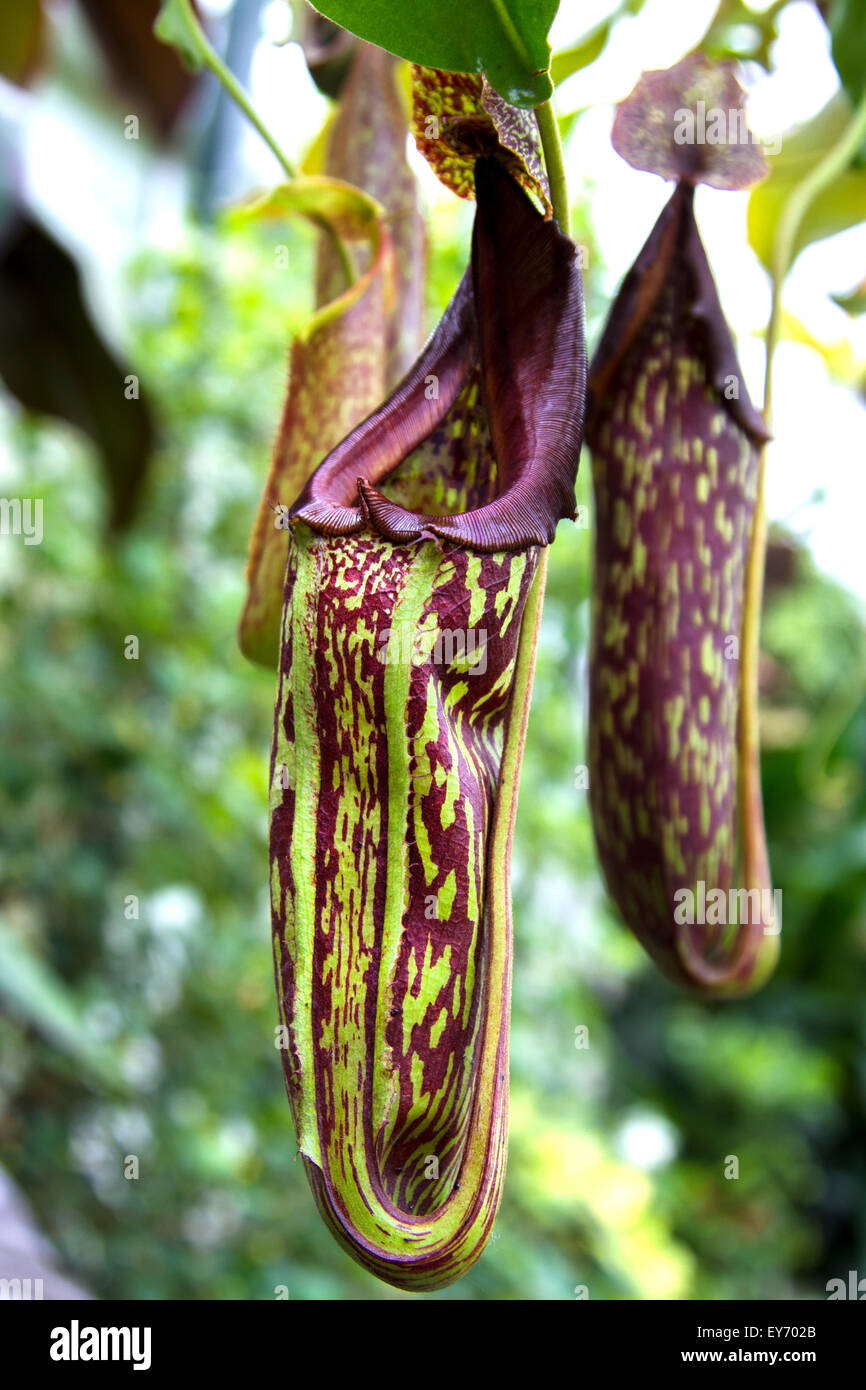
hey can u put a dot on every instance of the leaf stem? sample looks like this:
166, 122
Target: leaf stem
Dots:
548, 129
755, 858
834, 163
207, 54
199, 47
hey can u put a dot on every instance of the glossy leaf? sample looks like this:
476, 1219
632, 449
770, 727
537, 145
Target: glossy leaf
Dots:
504, 39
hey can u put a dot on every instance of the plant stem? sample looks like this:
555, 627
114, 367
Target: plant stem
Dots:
211, 59
207, 55
755, 861
834, 163
548, 129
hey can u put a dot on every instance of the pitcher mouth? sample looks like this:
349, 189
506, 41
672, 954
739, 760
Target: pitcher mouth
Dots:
480, 442
674, 247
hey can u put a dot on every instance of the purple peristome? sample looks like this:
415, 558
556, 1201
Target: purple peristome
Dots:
512, 338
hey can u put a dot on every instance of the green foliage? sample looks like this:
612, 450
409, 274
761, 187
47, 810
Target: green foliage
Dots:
848, 32
841, 205
176, 24
505, 39
580, 55
743, 30
32, 992
138, 1012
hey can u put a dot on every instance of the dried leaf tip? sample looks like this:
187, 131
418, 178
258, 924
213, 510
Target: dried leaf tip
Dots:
457, 117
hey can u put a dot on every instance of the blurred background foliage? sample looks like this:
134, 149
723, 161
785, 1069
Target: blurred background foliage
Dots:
137, 1012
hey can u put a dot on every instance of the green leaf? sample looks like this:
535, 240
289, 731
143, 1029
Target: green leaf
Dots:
853, 303
848, 33
738, 30
571, 60
505, 39
841, 205
176, 24
31, 991
318, 198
